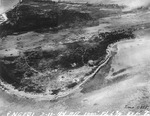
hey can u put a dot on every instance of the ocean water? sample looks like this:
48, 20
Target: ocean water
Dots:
7, 4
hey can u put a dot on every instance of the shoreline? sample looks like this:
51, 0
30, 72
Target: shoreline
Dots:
3, 14
10, 8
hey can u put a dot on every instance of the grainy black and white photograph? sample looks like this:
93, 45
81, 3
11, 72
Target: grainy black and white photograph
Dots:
74, 57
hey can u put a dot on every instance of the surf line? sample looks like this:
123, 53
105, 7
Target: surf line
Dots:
3, 15
3, 18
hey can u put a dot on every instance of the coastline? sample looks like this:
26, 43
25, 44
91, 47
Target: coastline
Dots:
4, 14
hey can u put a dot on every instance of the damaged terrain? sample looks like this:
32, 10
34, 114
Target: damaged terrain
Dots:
72, 55
53, 61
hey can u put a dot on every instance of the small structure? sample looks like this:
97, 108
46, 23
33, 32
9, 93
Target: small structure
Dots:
91, 63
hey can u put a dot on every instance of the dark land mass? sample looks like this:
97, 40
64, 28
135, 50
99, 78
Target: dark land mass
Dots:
36, 16
36, 69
